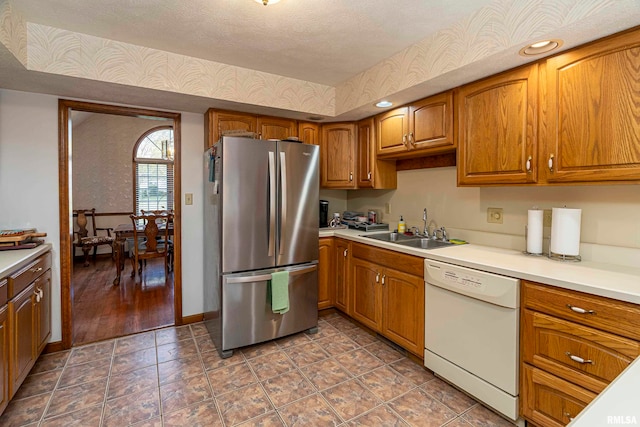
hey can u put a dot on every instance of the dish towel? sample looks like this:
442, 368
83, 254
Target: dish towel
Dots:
280, 292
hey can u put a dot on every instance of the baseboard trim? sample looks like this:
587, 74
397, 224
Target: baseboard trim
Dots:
194, 318
53, 347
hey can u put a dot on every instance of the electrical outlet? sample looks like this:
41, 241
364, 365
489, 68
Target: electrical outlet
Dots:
387, 208
188, 198
494, 215
546, 218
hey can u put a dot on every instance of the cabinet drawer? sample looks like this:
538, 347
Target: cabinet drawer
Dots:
410, 264
582, 355
550, 401
3, 292
23, 277
618, 317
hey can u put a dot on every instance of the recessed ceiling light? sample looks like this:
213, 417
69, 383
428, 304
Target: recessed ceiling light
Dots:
267, 2
384, 104
540, 47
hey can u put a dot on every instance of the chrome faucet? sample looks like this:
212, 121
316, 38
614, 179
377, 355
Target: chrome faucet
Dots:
425, 230
443, 233
415, 230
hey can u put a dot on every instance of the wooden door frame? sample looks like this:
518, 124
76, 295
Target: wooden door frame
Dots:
66, 222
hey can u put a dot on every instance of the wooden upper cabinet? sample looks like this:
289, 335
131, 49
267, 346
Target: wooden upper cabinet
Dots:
392, 130
338, 155
431, 124
309, 133
592, 115
425, 127
372, 173
217, 122
276, 128
497, 129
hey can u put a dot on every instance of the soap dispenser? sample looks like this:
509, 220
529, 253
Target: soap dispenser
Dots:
402, 227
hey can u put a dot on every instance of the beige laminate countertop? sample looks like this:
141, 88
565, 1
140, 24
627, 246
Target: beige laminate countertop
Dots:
10, 260
608, 280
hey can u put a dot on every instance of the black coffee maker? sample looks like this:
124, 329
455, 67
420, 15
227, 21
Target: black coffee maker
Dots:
324, 213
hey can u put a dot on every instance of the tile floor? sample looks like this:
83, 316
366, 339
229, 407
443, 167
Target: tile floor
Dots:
174, 377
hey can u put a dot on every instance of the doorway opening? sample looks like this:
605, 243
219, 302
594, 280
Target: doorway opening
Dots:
101, 167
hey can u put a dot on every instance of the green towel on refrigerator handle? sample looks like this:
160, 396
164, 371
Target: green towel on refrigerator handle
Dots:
280, 292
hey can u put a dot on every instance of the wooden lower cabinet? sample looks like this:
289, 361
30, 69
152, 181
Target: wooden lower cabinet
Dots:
21, 324
42, 314
387, 300
573, 345
341, 265
4, 358
325, 273
549, 401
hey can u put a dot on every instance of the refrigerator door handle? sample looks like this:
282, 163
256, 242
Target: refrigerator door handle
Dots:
283, 205
272, 202
264, 277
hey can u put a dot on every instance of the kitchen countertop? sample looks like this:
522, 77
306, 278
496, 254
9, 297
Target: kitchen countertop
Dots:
607, 280
10, 260
619, 402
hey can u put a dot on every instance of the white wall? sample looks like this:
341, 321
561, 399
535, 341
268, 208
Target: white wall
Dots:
29, 174
29, 186
610, 213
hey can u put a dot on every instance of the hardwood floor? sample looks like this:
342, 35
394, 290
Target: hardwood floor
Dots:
102, 311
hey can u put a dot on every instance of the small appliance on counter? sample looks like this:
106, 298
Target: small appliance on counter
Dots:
324, 213
358, 221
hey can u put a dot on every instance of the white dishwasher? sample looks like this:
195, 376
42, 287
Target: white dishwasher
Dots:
471, 333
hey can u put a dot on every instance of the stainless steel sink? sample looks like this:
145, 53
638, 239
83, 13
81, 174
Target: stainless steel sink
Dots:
391, 237
423, 243
412, 241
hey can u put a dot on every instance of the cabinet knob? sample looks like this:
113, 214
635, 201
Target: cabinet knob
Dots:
369, 175
35, 270
404, 140
377, 277
551, 162
383, 278
411, 140
350, 176
345, 252
529, 165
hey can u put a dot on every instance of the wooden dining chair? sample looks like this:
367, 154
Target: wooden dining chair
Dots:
169, 241
86, 241
150, 237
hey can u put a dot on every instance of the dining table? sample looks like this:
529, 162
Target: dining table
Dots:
122, 233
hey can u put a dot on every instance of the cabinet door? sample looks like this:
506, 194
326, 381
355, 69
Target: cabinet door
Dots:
4, 358
497, 129
366, 278
392, 130
431, 124
325, 273
276, 128
549, 401
337, 155
309, 133
217, 122
403, 309
42, 311
22, 348
373, 173
592, 113
342, 283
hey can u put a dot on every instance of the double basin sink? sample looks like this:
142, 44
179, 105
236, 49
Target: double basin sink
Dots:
411, 241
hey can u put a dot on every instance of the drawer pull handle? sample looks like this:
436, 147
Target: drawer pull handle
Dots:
579, 359
580, 310
35, 270
568, 415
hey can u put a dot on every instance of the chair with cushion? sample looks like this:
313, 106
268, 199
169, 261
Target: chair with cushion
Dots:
86, 241
150, 234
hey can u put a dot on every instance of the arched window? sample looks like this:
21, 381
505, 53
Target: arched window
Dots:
153, 170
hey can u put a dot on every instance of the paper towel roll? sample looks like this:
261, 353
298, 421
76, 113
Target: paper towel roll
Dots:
534, 231
565, 231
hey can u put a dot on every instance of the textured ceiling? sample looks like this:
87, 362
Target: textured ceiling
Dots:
332, 58
322, 41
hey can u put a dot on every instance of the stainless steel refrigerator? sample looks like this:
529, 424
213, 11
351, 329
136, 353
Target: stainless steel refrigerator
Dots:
260, 217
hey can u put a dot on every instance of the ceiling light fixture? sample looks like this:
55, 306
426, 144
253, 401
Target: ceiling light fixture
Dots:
540, 47
384, 104
267, 2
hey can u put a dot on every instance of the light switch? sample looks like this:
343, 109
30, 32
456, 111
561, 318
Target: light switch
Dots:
188, 198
